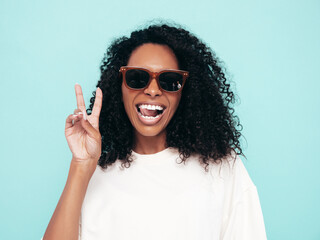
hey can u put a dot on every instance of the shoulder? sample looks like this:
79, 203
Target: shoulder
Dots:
232, 173
242, 214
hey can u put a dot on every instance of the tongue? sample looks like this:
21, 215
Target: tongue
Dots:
150, 113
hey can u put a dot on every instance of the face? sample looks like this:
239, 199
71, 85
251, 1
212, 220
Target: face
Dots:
151, 120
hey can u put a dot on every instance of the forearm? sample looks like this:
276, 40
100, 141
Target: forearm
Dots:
64, 224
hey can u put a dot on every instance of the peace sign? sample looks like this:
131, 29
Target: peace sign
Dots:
82, 130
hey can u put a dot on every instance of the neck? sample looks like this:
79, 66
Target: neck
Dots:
149, 145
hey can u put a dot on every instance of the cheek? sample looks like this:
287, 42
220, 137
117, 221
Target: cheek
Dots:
175, 100
174, 103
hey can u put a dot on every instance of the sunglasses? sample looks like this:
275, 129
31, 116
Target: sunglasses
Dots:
140, 78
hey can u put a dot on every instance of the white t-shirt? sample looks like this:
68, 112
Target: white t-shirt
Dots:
158, 199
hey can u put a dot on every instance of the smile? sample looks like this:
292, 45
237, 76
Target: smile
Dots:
150, 114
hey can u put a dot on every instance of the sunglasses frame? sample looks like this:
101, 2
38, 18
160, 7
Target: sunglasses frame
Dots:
153, 75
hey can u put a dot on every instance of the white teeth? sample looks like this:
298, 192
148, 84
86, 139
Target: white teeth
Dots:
150, 107
149, 117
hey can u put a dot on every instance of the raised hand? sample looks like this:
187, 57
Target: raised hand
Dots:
82, 130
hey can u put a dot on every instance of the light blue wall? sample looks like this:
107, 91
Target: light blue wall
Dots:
270, 48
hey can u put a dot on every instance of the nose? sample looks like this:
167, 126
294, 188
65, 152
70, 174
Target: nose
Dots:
153, 89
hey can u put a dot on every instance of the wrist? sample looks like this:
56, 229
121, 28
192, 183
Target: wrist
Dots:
84, 169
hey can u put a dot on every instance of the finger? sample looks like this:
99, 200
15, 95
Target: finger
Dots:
76, 118
79, 96
77, 111
72, 119
97, 108
69, 121
91, 131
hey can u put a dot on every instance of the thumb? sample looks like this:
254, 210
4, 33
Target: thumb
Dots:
92, 132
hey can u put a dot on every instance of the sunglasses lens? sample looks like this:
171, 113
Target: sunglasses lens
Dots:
136, 78
171, 81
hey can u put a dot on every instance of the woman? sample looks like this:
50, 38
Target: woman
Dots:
163, 133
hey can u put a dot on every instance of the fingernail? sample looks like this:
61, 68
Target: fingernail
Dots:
84, 115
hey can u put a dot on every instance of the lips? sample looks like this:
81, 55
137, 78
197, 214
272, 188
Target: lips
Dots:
150, 113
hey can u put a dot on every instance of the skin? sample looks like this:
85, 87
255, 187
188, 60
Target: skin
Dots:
84, 138
84, 141
151, 139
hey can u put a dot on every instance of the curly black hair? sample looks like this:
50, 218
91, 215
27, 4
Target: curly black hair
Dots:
205, 121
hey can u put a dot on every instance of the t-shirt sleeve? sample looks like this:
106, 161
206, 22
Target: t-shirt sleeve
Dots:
242, 215
246, 220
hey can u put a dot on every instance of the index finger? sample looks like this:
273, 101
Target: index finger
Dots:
97, 103
79, 95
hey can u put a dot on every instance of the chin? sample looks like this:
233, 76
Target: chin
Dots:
149, 131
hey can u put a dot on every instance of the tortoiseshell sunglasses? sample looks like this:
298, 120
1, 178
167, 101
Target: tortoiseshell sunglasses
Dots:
136, 78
